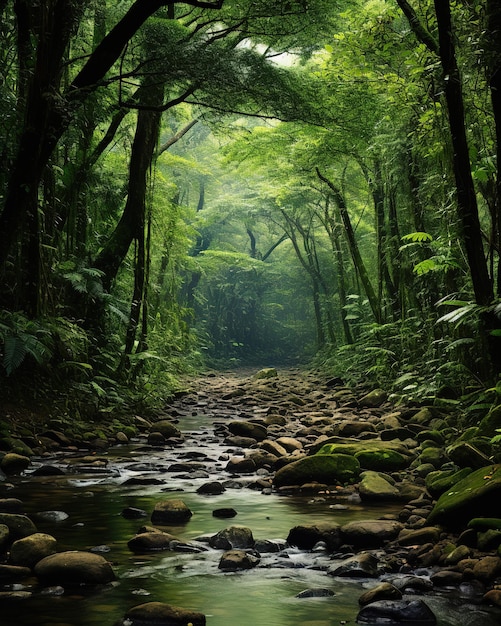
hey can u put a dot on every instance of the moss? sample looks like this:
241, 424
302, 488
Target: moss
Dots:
323, 468
381, 460
439, 482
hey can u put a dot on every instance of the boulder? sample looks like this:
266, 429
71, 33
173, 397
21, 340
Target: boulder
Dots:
329, 469
383, 591
362, 565
4, 537
477, 495
161, 614
370, 533
419, 536
213, 488
19, 525
29, 550
239, 465
12, 573
167, 429
306, 537
151, 541
490, 423
373, 399
320, 592
375, 487
74, 568
464, 454
382, 460
11, 505
170, 512
266, 372
289, 443
354, 428
13, 463
248, 429
440, 481
232, 537
234, 560
395, 612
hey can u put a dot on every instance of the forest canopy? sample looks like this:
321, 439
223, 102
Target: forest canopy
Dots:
229, 182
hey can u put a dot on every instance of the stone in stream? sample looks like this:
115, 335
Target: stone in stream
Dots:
13, 463
4, 537
12, 573
131, 512
152, 541
323, 468
29, 550
305, 537
382, 460
370, 533
19, 525
383, 591
170, 512
234, 560
232, 537
376, 487
362, 565
74, 568
321, 592
395, 612
213, 488
225, 512
248, 429
11, 505
161, 614
167, 429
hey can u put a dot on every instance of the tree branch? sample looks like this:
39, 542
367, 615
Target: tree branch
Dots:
175, 138
417, 27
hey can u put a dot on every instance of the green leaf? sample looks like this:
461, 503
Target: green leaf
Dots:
417, 237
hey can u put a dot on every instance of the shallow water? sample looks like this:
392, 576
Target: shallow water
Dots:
95, 498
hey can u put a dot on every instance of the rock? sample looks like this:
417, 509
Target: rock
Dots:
52, 516
382, 460
289, 443
477, 495
373, 399
170, 512
485, 523
488, 540
458, 554
273, 447
395, 612
354, 428
232, 537
370, 533
263, 546
167, 429
131, 512
161, 614
213, 488
248, 429
465, 454
11, 505
487, 568
423, 416
419, 536
490, 423
305, 537
74, 568
266, 372
156, 439
4, 537
19, 525
48, 470
238, 465
440, 481
240, 442
412, 583
493, 596
383, 591
13, 573
446, 578
234, 560
13, 463
362, 565
329, 469
29, 550
152, 541
433, 455
373, 486
321, 592
224, 513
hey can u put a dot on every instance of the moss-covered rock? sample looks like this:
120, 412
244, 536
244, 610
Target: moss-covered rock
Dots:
490, 423
439, 482
266, 372
382, 460
375, 486
322, 468
479, 495
465, 454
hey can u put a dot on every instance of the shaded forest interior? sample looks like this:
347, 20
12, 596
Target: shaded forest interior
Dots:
222, 183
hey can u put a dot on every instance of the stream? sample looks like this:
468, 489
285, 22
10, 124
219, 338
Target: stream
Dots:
92, 495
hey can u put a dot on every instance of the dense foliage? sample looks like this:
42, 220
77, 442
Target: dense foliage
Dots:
190, 182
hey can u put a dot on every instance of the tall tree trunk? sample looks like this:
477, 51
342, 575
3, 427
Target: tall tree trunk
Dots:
466, 197
354, 250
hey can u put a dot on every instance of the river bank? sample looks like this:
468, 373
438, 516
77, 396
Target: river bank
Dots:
219, 449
